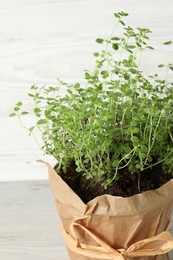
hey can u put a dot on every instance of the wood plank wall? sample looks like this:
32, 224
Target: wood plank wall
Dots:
42, 40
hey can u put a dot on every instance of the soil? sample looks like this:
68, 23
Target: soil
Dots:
126, 186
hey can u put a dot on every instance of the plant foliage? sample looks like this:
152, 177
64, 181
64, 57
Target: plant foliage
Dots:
120, 121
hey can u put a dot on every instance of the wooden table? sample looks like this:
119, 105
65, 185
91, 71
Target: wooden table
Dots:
29, 223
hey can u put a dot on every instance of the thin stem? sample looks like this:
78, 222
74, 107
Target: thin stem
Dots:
117, 168
122, 121
154, 164
155, 130
120, 168
140, 58
106, 52
31, 132
149, 139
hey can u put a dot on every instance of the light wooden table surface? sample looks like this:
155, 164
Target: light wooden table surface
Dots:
29, 223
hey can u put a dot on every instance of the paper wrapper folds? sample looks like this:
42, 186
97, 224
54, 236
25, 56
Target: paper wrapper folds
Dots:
116, 228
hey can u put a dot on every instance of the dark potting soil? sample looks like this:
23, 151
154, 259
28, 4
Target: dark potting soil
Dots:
126, 186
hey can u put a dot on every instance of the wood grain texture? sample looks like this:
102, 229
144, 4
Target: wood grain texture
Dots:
29, 223
42, 40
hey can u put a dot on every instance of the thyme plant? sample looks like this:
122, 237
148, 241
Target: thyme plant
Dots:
120, 122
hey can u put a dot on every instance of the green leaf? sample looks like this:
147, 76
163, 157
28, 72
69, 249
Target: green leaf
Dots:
115, 39
147, 110
42, 122
123, 14
37, 110
105, 74
150, 47
129, 50
30, 95
96, 54
69, 91
135, 140
31, 128
122, 22
86, 161
171, 66
24, 113
115, 46
161, 65
33, 87
87, 75
99, 40
77, 85
135, 130
137, 166
131, 46
16, 109
133, 71
126, 76
127, 149
116, 15
167, 43
12, 114
78, 169
19, 104
138, 44
115, 163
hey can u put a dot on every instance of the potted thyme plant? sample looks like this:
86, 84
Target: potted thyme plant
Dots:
113, 141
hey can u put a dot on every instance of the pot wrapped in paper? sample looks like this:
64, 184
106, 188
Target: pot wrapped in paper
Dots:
112, 227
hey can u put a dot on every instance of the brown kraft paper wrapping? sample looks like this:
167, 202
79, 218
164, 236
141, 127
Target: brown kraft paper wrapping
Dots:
116, 228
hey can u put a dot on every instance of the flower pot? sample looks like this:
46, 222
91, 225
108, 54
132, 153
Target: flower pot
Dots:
117, 228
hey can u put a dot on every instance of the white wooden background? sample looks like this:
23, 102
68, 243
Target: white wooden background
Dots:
41, 40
